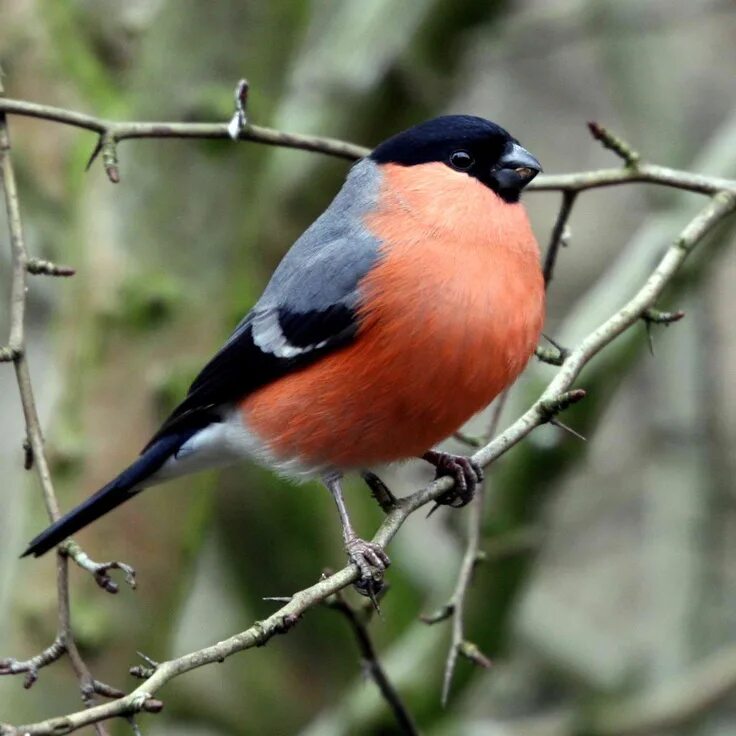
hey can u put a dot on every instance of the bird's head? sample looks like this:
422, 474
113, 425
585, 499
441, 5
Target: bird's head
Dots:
468, 145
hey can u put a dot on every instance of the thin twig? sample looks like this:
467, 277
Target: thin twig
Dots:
111, 132
557, 238
456, 605
613, 143
38, 266
373, 666
10, 666
16, 345
578, 181
551, 355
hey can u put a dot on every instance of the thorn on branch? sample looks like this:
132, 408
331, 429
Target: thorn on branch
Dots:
552, 356
27, 455
107, 145
107, 691
467, 439
568, 429
239, 119
144, 702
100, 570
380, 491
552, 407
441, 614
30, 667
613, 143
38, 266
655, 316
471, 652
555, 344
9, 355
141, 672
287, 623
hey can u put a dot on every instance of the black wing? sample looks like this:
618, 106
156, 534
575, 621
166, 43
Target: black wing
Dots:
266, 345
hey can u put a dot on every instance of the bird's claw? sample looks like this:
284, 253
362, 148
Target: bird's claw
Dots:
371, 561
467, 474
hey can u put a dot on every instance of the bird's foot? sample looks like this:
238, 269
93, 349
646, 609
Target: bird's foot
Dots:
467, 474
372, 561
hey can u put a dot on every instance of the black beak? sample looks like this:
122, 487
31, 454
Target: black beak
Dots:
515, 169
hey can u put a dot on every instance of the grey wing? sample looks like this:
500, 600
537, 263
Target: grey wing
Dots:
308, 308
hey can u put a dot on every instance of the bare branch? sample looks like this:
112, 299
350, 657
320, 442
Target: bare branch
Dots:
558, 234
373, 666
556, 394
21, 266
554, 399
655, 316
119, 131
455, 607
342, 149
644, 173
552, 356
613, 143
99, 570
10, 666
38, 266
239, 120
8, 354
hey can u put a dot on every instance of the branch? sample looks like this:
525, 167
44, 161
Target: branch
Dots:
16, 353
559, 234
556, 394
37, 266
99, 570
456, 605
10, 666
373, 666
577, 182
110, 133
554, 398
613, 143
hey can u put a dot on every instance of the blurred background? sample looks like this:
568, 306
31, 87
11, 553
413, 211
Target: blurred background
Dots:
610, 570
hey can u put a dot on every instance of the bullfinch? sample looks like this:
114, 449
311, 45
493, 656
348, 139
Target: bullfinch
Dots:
405, 308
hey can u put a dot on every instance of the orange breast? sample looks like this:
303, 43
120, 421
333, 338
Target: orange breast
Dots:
452, 313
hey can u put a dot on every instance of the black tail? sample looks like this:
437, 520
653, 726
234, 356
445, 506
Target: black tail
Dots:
117, 491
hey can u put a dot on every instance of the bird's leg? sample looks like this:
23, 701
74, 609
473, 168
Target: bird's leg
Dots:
369, 557
465, 471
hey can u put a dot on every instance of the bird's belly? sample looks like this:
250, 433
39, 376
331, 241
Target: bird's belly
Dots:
407, 382
449, 316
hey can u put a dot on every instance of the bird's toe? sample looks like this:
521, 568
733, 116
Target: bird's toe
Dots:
371, 561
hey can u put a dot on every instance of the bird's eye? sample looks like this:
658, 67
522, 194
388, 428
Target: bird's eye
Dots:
461, 160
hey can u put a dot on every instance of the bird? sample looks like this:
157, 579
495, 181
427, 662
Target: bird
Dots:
410, 303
